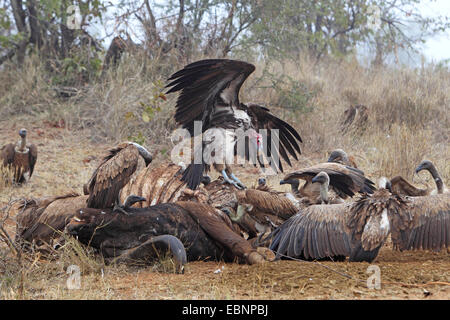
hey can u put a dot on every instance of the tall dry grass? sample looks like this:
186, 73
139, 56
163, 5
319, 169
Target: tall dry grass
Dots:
408, 108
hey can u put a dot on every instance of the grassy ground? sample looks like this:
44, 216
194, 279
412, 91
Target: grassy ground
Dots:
66, 160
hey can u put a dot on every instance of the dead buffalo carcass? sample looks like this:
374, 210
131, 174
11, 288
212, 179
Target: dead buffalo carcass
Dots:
128, 233
263, 208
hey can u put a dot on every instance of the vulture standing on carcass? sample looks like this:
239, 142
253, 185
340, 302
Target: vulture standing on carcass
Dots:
359, 229
206, 234
401, 186
20, 157
114, 173
210, 96
345, 181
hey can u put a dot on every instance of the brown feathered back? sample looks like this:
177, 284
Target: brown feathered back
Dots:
112, 175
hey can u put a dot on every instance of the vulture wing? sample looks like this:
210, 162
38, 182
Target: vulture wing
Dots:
112, 175
32, 154
208, 88
7, 154
277, 130
423, 223
402, 187
318, 231
344, 180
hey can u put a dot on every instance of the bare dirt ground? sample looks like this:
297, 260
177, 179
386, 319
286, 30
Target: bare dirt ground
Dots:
66, 160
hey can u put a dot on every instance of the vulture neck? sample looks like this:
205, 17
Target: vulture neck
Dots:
437, 179
324, 192
22, 144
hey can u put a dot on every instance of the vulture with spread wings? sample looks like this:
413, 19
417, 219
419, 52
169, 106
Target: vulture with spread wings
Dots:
359, 229
209, 99
345, 181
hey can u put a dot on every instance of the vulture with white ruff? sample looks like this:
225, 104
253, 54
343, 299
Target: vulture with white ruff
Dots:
359, 229
20, 157
210, 95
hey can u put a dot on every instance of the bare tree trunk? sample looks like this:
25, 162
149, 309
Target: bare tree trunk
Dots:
19, 18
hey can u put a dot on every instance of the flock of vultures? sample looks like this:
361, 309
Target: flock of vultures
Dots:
336, 213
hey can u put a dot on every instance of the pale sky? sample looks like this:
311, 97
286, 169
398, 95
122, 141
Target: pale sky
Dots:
437, 48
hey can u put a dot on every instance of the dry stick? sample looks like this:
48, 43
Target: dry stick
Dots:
363, 281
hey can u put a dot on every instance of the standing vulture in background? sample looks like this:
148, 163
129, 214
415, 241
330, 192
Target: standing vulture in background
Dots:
210, 95
20, 157
359, 229
401, 186
344, 180
114, 173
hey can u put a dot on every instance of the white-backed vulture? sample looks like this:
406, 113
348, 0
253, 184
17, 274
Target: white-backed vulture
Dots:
210, 95
402, 187
114, 173
359, 229
345, 181
20, 157
41, 220
340, 156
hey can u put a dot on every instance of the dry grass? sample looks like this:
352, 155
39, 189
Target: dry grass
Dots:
408, 122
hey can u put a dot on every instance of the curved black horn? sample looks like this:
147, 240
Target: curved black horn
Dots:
152, 249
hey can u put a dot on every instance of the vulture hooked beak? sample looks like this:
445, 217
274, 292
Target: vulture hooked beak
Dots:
420, 168
132, 199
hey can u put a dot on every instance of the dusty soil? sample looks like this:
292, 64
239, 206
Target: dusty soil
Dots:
66, 160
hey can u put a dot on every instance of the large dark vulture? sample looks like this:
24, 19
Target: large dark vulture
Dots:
20, 157
402, 187
114, 173
204, 233
359, 229
210, 95
344, 180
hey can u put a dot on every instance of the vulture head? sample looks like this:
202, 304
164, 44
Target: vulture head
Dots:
338, 155
23, 133
295, 183
144, 153
324, 180
132, 199
262, 181
425, 165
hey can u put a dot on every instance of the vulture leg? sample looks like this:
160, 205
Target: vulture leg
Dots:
226, 179
239, 183
153, 248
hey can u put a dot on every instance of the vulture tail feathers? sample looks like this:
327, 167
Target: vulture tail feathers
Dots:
193, 175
